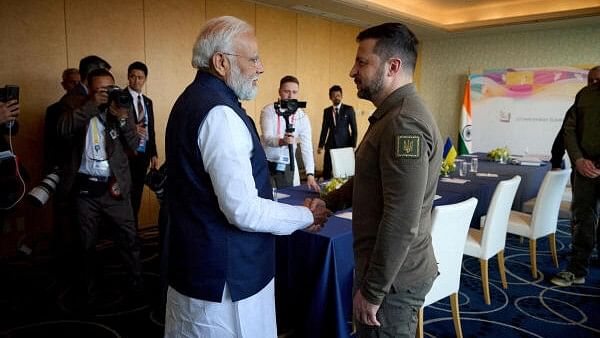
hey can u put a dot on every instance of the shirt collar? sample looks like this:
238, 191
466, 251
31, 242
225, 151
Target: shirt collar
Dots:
395, 98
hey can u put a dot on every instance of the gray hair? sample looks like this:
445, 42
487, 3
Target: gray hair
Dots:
217, 35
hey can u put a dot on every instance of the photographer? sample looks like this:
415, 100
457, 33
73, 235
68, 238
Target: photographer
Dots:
275, 139
100, 132
9, 181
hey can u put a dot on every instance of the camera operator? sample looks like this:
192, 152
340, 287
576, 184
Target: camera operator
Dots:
275, 139
100, 132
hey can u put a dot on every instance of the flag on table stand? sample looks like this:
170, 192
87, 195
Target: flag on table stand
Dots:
449, 152
464, 135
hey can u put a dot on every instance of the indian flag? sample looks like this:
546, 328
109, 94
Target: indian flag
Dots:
464, 136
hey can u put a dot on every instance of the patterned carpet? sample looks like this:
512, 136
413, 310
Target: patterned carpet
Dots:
36, 302
528, 308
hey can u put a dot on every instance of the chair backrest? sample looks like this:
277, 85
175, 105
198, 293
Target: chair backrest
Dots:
450, 224
547, 203
493, 238
342, 162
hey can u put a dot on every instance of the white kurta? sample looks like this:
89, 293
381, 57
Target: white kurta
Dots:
226, 147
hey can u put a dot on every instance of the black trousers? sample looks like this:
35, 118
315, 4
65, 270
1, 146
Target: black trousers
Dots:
327, 164
586, 196
138, 166
91, 210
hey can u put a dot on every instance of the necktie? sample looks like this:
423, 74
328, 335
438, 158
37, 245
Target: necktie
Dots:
140, 109
335, 115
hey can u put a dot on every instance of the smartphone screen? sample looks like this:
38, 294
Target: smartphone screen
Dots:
12, 92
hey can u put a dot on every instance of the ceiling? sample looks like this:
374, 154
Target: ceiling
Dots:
439, 18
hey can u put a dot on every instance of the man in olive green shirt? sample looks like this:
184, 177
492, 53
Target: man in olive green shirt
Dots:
397, 168
582, 141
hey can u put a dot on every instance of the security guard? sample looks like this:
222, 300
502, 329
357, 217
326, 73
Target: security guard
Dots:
583, 145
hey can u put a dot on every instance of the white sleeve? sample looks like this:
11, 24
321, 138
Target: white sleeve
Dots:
305, 135
268, 126
226, 147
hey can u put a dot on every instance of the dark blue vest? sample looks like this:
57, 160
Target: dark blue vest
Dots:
205, 250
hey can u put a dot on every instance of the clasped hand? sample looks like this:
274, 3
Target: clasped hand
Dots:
320, 213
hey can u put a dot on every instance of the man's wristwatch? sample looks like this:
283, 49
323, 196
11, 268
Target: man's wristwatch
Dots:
310, 174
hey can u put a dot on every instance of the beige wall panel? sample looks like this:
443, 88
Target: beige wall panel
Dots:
240, 9
111, 29
171, 28
342, 61
314, 57
33, 57
276, 33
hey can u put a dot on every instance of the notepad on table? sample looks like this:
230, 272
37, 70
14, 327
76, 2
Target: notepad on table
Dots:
345, 214
453, 180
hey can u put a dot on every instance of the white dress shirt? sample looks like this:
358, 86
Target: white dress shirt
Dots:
273, 129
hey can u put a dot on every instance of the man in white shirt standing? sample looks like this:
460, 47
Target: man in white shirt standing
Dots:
222, 216
276, 140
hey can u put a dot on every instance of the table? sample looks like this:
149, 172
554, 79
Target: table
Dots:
314, 270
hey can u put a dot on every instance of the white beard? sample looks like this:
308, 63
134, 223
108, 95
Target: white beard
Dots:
243, 88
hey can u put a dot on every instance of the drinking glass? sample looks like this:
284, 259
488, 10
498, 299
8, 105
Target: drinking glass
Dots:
474, 165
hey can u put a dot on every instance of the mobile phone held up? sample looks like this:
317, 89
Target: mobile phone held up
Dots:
9, 93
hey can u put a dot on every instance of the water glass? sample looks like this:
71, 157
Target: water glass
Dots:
474, 164
275, 194
462, 168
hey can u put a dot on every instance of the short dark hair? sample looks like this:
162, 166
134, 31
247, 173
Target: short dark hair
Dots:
91, 62
69, 71
335, 88
288, 78
98, 73
393, 40
139, 66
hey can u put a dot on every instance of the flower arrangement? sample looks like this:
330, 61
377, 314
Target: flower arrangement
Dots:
333, 184
447, 167
499, 155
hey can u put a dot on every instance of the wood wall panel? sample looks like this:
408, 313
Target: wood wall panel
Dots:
314, 50
168, 50
111, 29
277, 39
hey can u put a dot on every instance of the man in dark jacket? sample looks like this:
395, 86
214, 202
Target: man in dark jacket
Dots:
338, 129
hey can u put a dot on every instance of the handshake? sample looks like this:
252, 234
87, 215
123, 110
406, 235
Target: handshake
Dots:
320, 213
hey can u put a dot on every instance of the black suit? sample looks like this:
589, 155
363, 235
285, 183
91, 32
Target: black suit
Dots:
339, 134
138, 162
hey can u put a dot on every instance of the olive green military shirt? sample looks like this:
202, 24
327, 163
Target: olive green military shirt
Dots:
582, 125
397, 168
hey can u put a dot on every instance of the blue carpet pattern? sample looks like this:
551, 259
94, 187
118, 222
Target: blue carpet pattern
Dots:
528, 308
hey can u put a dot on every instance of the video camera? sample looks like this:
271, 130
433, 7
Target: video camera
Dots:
289, 106
119, 96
